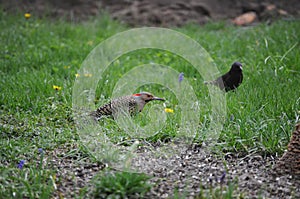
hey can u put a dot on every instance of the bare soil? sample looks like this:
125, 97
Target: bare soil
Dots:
157, 12
189, 169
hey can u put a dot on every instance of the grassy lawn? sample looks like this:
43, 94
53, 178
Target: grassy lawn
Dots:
38, 54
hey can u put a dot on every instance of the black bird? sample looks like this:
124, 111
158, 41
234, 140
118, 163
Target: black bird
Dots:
231, 80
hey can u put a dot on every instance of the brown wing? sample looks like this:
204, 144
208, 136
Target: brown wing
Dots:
119, 104
105, 110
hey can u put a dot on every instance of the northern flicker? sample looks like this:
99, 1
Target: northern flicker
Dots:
131, 103
231, 80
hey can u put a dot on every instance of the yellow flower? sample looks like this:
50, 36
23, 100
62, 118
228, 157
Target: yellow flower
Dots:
77, 75
67, 67
88, 75
58, 88
27, 15
90, 43
168, 110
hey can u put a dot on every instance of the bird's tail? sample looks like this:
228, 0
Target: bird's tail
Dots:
209, 82
95, 115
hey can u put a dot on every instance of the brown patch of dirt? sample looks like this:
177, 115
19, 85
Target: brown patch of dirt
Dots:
190, 169
157, 12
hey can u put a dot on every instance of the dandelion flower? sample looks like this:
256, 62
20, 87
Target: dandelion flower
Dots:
169, 110
27, 15
88, 75
67, 67
77, 75
58, 88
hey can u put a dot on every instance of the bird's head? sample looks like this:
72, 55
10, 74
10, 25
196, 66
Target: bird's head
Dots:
143, 98
146, 97
237, 66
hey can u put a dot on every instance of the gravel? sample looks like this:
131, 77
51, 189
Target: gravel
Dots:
187, 169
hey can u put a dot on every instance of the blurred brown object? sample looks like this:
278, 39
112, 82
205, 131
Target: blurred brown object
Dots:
245, 19
161, 13
270, 7
289, 163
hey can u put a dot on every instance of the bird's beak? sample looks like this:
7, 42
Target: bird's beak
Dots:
241, 67
158, 98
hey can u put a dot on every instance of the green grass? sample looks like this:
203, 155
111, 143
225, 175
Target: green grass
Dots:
37, 54
28, 179
120, 185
